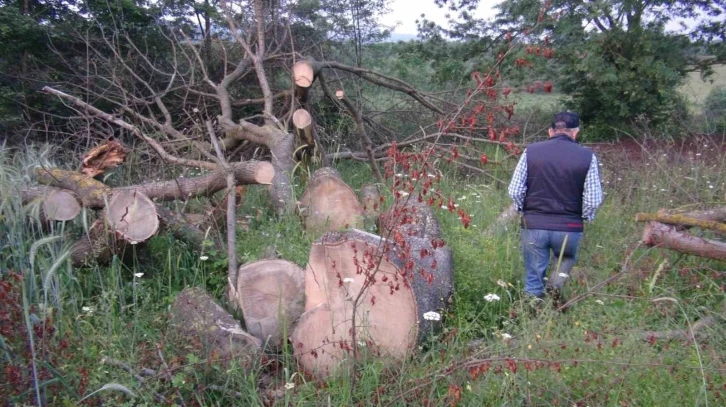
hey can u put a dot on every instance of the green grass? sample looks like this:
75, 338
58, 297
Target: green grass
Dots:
593, 355
696, 89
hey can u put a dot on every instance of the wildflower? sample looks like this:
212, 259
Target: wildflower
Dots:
87, 310
138, 275
403, 193
506, 336
600, 302
501, 283
348, 280
133, 242
203, 258
432, 316
563, 275
491, 297
289, 386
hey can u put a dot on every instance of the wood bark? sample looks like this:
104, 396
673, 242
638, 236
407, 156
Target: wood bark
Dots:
668, 237
271, 295
93, 194
329, 203
684, 220
200, 325
99, 245
392, 297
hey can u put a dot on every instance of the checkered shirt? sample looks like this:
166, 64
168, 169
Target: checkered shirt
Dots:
592, 195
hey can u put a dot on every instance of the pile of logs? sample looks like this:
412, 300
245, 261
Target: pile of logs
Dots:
359, 295
130, 214
669, 230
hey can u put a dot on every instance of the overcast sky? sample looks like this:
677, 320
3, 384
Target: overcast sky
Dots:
406, 12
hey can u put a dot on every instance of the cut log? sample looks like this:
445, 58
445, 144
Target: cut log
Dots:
98, 245
103, 157
504, 221
56, 204
329, 204
302, 119
304, 73
410, 217
132, 215
668, 237
200, 325
271, 295
360, 271
681, 220
180, 228
93, 194
340, 94
712, 215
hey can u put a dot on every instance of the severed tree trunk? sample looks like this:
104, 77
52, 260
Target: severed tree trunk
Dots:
200, 325
271, 295
93, 194
391, 297
683, 220
132, 216
329, 204
668, 237
99, 245
56, 204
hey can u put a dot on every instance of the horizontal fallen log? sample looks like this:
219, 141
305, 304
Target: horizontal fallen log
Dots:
684, 220
93, 194
657, 234
56, 203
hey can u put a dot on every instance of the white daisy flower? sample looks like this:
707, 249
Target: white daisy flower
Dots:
563, 275
600, 302
506, 336
289, 386
432, 316
138, 275
203, 258
348, 280
491, 297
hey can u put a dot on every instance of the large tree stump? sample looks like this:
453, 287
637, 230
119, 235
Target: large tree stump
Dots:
393, 297
329, 204
202, 326
271, 295
668, 237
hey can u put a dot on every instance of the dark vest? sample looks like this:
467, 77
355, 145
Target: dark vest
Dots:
556, 172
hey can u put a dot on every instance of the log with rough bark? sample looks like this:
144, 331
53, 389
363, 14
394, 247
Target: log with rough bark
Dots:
683, 220
717, 214
329, 204
392, 297
201, 326
657, 234
93, 194
55, 203
271, 295
371, 199
504, 221
98, 244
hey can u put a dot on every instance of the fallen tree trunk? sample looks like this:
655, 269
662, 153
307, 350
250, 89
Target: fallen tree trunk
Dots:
663, 236
93, 194
99, 245
684, 220
391, 297
56, 203
329, 204
694, 330
201, 326
271, 295
711, 215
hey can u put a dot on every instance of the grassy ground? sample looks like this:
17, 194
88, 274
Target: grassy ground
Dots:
696, 89
490, 353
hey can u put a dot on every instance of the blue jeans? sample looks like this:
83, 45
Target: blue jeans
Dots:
536, 247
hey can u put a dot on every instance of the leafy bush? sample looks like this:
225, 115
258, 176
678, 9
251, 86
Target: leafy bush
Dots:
715, 103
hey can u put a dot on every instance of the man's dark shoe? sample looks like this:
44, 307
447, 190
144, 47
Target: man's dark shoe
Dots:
555, 294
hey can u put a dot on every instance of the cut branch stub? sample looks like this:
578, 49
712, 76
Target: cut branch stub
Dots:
360, 271
102, 157
271, 295
303, 73
340, 94
302, 119
329, 204
132, 215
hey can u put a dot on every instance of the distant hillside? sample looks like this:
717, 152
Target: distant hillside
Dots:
696, 89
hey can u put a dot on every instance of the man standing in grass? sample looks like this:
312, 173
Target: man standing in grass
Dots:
556, 186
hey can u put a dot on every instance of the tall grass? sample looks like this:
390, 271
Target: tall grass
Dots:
105, 327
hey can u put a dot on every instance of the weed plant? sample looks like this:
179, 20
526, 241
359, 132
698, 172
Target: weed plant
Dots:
96, 335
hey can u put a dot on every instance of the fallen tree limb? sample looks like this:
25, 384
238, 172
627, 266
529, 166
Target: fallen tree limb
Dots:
688, 334
93, 194
663, 236
681, 220
56, 203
